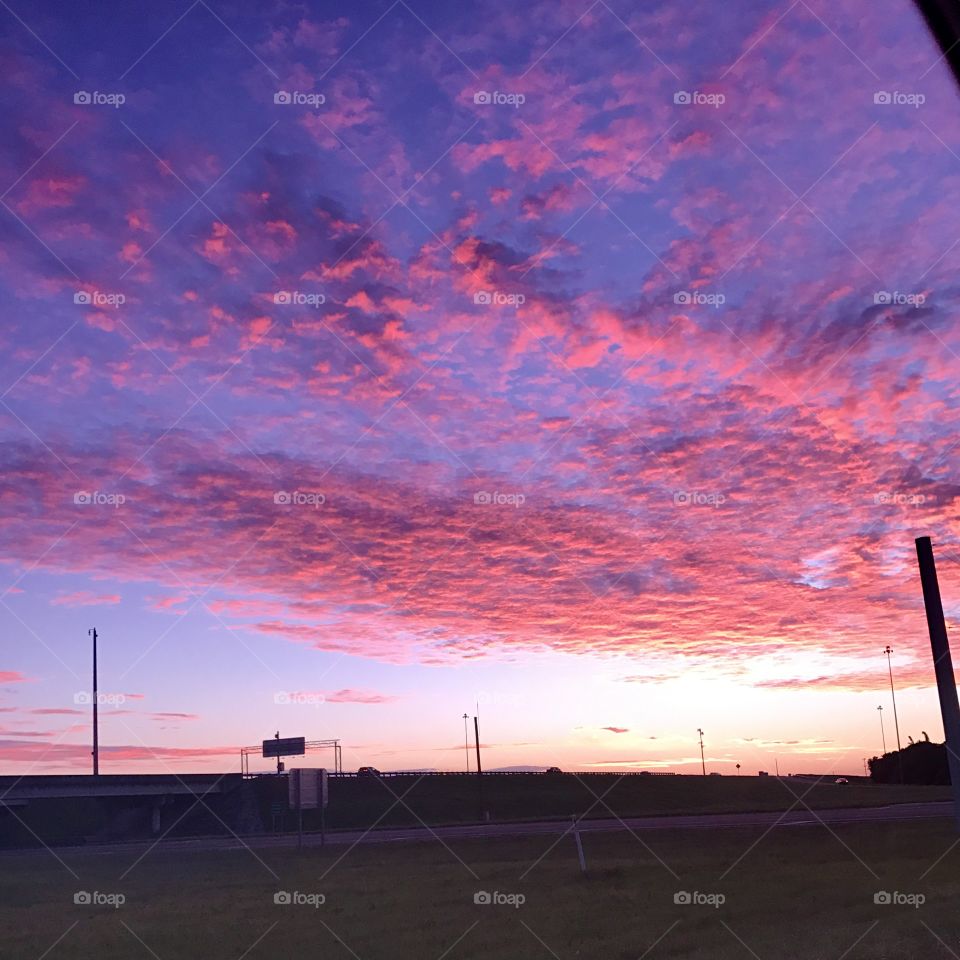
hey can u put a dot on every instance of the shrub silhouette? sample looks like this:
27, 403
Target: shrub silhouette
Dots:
924, 762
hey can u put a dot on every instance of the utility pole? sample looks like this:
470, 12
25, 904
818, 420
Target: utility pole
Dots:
92, 632
942, 664
703, 763
896, 726
476, 734
466, 741
882, 734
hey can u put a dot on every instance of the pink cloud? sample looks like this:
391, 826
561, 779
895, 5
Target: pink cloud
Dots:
680, 464
169, 604
357, 696
78, 755
12, 676
85, 598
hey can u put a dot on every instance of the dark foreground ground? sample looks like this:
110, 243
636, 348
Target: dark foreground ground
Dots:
791, 892
259, 806
410, 800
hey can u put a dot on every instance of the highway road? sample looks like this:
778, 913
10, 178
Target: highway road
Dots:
640, 825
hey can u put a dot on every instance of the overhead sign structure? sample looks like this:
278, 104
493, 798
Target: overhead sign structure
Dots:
277, 750
285, 747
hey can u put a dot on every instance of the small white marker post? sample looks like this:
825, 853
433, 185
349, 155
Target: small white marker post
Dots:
576, 836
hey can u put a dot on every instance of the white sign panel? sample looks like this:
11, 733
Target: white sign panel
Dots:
307, 788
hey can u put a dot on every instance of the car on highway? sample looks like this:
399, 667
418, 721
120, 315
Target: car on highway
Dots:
368, 772
553, 770
841, 780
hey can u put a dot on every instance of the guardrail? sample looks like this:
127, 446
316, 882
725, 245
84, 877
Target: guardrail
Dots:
493, 773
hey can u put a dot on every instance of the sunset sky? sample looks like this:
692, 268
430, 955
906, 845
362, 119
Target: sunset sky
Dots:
595, 362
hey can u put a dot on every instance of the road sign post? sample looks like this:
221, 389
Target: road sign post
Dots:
307, 790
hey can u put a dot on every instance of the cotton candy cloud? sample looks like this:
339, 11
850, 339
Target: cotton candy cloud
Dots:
357, 696
85, 598
45, 755
12, 677
656, 364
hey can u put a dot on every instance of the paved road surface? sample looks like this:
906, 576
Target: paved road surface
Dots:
713, 821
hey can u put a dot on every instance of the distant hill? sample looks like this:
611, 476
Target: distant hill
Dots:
520, 769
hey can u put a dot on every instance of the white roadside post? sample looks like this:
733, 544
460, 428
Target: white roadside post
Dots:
576, 836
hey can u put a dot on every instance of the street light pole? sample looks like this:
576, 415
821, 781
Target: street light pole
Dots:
896, 726
92, 632
703, 763
882, 733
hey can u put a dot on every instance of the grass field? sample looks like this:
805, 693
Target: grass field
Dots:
792, 893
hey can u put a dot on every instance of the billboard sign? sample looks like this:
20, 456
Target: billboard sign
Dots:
285, 747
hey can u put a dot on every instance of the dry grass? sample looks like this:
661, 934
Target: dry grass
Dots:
797, 892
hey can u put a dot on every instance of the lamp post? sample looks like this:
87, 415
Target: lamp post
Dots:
96, 725
882, 733
703, 763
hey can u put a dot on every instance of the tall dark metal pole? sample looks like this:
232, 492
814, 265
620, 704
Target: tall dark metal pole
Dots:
703, 763
476, 734
96, 725
896, 726
943, 18
883, 733
942, 665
